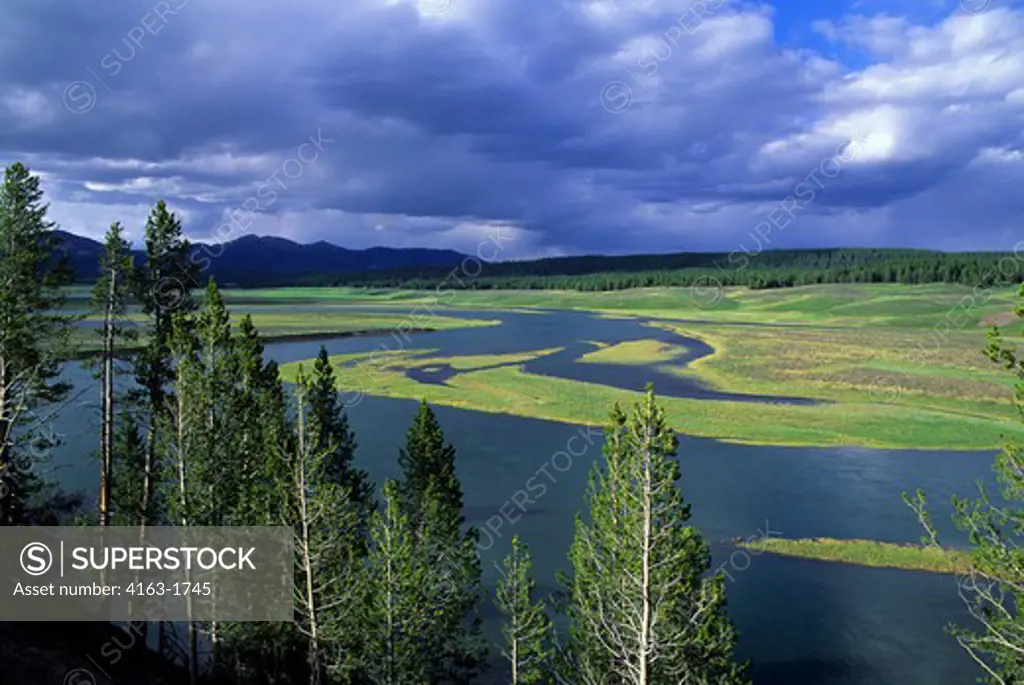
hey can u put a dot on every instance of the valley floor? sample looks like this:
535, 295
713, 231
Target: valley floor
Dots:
899, 366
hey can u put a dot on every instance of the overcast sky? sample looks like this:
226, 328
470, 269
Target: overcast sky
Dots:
578, 126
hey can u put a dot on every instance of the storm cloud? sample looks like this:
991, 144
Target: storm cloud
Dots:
578, 126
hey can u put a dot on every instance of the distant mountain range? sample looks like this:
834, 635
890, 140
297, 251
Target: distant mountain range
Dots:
255, 260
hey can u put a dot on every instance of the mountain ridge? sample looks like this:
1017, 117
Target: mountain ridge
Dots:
268, 260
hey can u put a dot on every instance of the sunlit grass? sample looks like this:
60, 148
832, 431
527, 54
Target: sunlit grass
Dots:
868, 553
635, 352
901, 364
509, 390
856, 305
885, 366
277, 324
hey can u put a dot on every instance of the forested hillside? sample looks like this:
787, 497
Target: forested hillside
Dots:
768, 269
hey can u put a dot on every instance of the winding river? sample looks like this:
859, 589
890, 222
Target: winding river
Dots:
800, 621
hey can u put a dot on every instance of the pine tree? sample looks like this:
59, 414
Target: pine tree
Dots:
222, 489
110, 297
128, 469
33, 337
395, 622
431, 500
261, 427
264, 448
182, 442
527, 627
217, 462
164, 291
203, 461
330, 432
643, 610
325, 519
428, 464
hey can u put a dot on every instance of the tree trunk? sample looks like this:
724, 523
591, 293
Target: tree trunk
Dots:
514, 618
645, 619
193, 645
5, 423
515, 653
307, 564
107, 431
6, 427
149, 466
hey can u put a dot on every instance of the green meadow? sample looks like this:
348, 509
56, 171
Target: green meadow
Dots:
867, 553
276, 323
847, 305
509, 390
900, 366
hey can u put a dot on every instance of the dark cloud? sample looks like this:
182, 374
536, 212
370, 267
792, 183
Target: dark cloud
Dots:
577, 125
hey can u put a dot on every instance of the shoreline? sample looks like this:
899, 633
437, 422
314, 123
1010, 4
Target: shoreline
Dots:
864, 553
123, 352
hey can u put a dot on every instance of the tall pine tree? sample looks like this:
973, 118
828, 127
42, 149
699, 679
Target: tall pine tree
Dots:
643, 609
111, 296
527, 628
330, 432
182, 441
431, 500
261, 427
34, 337
325, 519
164, 291
395, 623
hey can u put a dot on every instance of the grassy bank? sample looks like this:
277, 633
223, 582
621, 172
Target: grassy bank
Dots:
509, 390
855, 305
275, 323
884, 366
899, 365
867, 553
635, 352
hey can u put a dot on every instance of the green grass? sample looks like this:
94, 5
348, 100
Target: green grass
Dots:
509, 390
634, 352
867, 553
900, 365
885, 366
275, 323
857, 305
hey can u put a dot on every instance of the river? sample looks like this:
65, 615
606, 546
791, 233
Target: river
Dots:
800, 621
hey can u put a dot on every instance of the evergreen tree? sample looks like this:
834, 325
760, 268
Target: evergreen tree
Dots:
128, 468
205, 460
164, 291
431, 500
395, 623
224, 488
217, 463
263, 449
330, 432
428, 465
261, 427
33, 337
527, 627
182, 442
325, 519
643, 610
110, 297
